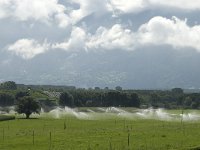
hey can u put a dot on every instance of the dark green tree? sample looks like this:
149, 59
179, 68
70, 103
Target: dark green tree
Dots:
118, 88
111, 99
187, 102
6, 99
97, 88
106, 88
8, 85
66, 99
134, 100
177, 91
154, 100
27, 106
194, 105
21, 94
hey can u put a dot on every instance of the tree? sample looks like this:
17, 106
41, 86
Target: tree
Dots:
66, 99
106, 88
195, 105
118, 88
97, 88
112, 98
177, 91
21, 94
9, 85
135, 101
154, 99
6, 99
27, 106
187, 102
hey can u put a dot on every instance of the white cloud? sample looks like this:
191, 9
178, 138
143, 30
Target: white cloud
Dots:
114, 38
39, 10
99, 7
52, 11
132, 6
75, 42
4, 5
28, 48
116, 7
127, 6
180, 4
63, 20
158, 31
174, 32
88, 7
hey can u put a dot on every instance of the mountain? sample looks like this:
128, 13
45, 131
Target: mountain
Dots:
145, 68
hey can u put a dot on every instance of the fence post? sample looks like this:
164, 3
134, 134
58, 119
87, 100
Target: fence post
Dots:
3, 134
128, 140
33, 137
50, 140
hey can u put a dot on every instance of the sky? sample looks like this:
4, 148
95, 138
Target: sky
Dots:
141, 44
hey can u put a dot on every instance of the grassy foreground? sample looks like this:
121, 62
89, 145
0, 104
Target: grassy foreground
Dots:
111, 134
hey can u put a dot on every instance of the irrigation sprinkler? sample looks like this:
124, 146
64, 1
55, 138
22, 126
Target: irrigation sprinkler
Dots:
182, 112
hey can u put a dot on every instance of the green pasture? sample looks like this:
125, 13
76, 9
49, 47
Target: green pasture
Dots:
70, 133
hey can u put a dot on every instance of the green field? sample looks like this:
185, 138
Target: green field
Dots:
111, 133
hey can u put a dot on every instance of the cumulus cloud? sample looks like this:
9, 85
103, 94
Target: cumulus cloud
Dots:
157, 31
4, 5
132, 6
63, 20
180, 4
51, 10
174, 32
75, 42
127, 6
65, 15
88, 7
28, 48
39, 10
116, 37
99, 7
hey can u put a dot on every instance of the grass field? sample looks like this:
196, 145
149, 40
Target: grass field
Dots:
115, 134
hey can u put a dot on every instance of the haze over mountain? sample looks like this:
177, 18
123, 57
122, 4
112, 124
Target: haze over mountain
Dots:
135, 44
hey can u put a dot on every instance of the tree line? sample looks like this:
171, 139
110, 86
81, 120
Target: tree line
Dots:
96, 98
11, 93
